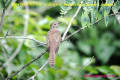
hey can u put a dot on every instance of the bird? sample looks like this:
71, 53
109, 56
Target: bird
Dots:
53, 42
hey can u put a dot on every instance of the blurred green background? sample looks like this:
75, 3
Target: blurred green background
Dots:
92, 51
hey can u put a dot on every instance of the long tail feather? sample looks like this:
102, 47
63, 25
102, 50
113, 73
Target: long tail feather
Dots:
52, 58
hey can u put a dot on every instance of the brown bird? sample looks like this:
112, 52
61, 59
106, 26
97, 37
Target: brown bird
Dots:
53, 42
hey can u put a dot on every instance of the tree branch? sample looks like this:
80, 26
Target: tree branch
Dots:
23, 37
70, 23
24, 66
86, 27
45, 64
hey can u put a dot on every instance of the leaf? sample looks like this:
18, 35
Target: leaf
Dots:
106, 18
59, 62
62, 73
93, 17
107, 71
65, 8
106, 14
117, 43
116, 69
116, 6
84, 47
104, 49
85, 21
107, 11
91, 69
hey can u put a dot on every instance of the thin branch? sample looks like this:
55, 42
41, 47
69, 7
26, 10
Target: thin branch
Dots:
70, 23
23, 37
24, 66
67, 37
45, 64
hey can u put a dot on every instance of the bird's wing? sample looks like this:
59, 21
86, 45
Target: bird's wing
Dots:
57, 40
54, 39
48, 42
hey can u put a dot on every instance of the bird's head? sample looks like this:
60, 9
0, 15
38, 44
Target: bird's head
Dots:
54, 25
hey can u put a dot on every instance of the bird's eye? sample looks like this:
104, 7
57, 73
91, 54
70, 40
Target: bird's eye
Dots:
54, 24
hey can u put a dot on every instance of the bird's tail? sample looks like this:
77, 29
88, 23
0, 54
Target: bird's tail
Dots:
52, 57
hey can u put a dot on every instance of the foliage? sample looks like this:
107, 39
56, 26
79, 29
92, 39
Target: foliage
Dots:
73, 60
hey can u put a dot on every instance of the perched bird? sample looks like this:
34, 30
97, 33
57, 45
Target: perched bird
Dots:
53, 42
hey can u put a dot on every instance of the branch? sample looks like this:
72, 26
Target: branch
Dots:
75, 32
70, 23
86, 26
24, 66
23, 37
45, 64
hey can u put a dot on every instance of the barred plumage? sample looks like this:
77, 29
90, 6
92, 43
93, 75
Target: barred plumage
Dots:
52, 59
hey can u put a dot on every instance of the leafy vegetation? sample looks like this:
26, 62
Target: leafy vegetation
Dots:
95, 50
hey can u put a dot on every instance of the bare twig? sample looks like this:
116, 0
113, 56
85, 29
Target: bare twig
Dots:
45, 64
75, 32
23, 37
24, 66
70, 23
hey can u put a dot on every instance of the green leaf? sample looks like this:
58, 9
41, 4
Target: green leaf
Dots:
59, 62
62, 73
84, 47
93, 17
116, 69
116, 6
106, 18
85, 21
91, 69
105, 70
105, 52
65, 8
